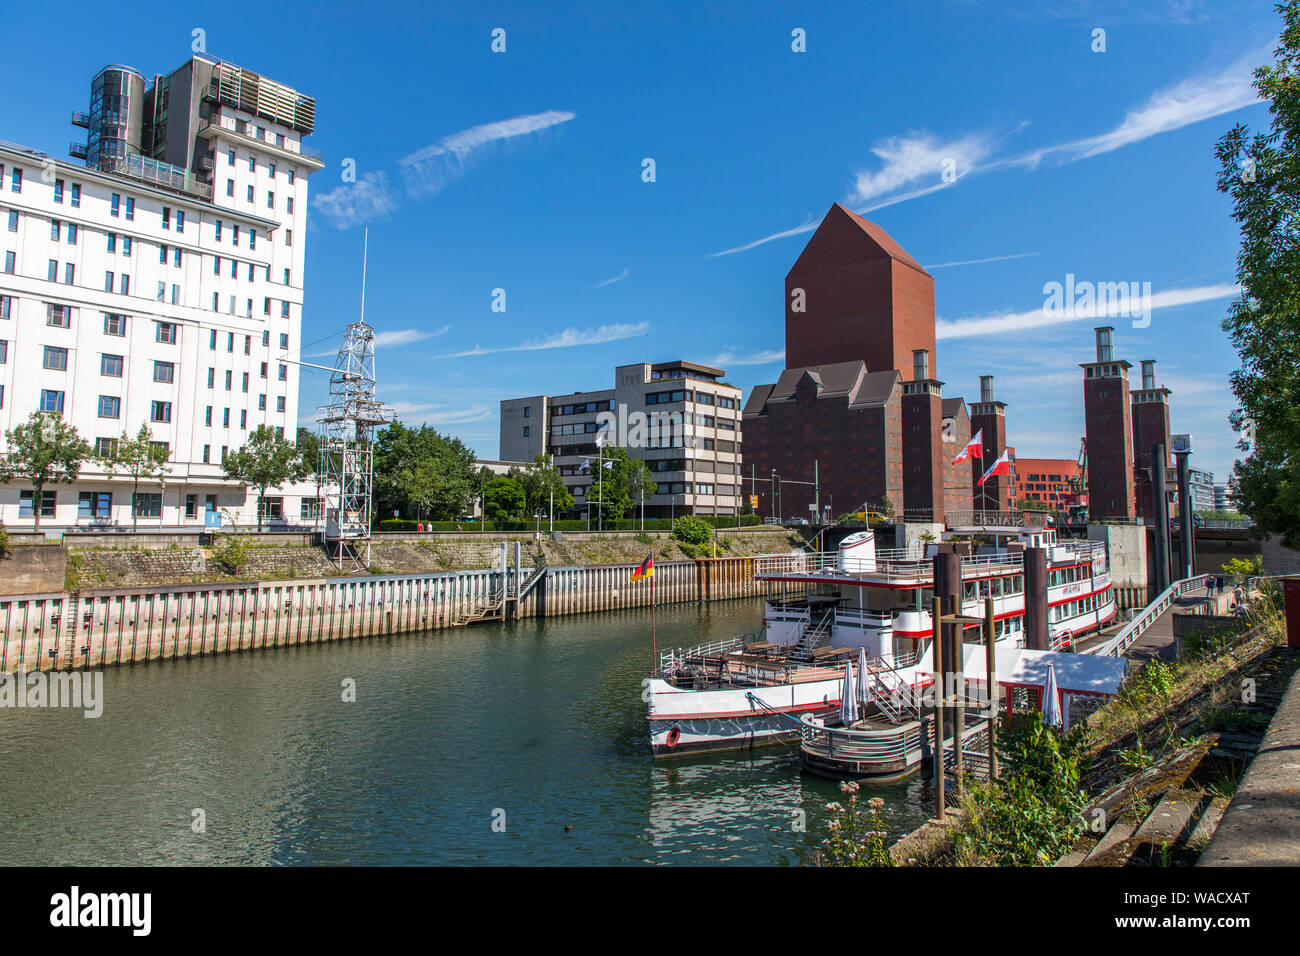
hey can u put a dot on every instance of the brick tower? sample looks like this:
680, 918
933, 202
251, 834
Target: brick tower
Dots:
1150, 426
990, 417
1109, 427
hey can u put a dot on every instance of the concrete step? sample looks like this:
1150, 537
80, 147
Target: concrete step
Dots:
1172, 819
1207, 824
1120, 831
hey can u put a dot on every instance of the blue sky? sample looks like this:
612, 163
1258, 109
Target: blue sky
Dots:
522, 171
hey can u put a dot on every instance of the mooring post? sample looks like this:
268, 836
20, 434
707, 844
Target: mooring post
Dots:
936, 643
958, 670
991, 690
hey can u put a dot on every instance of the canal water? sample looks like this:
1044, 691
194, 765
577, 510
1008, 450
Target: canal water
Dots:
475, 746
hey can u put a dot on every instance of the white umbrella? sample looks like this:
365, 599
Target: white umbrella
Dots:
1051, 707
864, 687
848, 699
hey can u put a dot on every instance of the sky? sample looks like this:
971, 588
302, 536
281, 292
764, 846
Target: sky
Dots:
996, 142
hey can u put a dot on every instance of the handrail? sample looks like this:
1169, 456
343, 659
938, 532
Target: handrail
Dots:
1128, 635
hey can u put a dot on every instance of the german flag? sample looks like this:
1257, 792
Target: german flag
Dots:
647, 569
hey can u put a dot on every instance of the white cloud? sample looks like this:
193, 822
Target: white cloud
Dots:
1189, 101
618, 278
566, 339
729, 358
909, 159
406, 336
426, 171
976, 262
1004, 322
906, 160
352, 204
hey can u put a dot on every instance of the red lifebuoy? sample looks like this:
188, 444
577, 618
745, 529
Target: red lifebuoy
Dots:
674, 735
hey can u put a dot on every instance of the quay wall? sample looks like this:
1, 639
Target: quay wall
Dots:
102, 627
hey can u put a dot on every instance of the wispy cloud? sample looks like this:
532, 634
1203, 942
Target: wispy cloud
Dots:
976, 262
566, 339
729, 358
905, 160
426, 171
1004, 322
440, 414
406, 336
368, 199
1189, 101
618, 278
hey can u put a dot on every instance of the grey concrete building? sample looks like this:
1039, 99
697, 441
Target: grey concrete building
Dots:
680, 417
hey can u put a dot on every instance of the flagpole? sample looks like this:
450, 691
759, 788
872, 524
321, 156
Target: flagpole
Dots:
654, 642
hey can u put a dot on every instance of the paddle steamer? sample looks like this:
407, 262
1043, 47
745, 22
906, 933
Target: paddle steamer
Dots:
823, 607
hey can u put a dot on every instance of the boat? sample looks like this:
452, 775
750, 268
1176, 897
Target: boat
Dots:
823, 607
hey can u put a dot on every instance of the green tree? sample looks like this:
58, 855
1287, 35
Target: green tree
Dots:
444, 485
140, 458
540, 481
503, 499
617, 488
265, 462
1261, 174
43, 450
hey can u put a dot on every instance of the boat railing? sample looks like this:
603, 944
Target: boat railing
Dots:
670, 659
841, 743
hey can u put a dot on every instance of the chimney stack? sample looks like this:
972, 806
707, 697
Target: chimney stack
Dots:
1148, 373
986, 389
1105, 351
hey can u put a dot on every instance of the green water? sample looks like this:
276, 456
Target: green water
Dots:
535, 725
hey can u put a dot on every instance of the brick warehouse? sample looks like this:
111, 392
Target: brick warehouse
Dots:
860, 395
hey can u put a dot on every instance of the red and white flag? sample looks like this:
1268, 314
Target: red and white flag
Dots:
1000, 467
973, 447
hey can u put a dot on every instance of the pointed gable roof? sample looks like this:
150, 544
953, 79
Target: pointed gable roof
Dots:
838, 216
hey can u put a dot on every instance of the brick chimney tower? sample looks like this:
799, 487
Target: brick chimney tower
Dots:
1150, 408
990, 417
1108, 424
923, 444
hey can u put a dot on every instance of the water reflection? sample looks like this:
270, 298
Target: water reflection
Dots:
538, 725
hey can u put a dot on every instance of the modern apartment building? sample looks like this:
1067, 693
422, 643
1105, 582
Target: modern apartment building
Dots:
677, 416
1201, 484
159, 284
1049, 481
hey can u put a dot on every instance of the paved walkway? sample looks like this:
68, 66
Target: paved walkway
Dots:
1261, 826
1158, 639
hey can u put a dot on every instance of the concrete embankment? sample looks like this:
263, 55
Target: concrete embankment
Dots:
178, 559
100, 627
1261, 826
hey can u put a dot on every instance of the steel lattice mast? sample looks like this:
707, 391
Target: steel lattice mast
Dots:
347, 449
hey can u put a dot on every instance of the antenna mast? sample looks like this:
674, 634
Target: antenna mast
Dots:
347, 451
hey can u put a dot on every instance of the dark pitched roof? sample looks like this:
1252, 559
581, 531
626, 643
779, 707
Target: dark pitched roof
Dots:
951, 406
846, 380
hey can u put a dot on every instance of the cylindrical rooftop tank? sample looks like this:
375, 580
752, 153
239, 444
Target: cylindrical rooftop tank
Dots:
857, 552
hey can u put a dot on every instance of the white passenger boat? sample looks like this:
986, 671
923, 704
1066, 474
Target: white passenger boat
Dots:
822, 607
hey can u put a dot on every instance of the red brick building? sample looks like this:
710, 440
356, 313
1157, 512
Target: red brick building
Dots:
860, 396
1109, 426
1150, 410
1047, 481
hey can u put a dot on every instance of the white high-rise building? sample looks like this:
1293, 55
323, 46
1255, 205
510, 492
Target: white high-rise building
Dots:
161, 283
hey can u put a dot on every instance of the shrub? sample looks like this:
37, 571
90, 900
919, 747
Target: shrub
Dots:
4, 542
691, 529
1032, 815
232, 553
